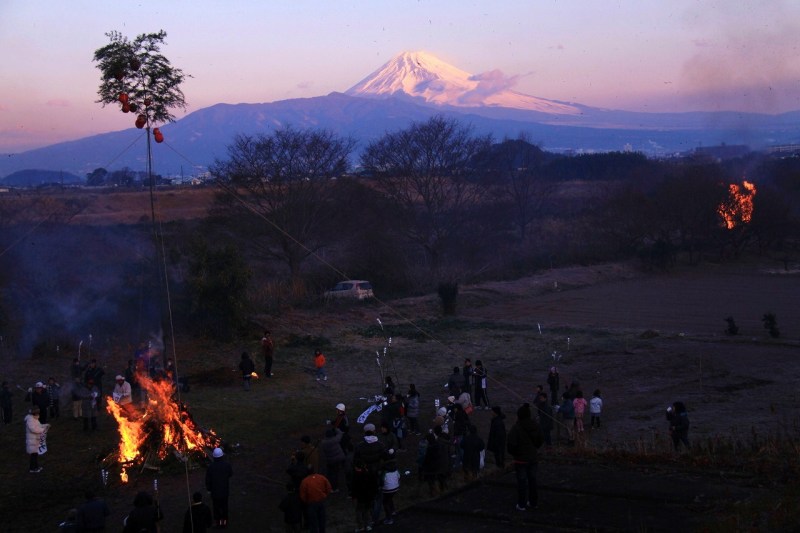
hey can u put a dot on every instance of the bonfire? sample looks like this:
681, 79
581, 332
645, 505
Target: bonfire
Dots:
738, 208
160, 429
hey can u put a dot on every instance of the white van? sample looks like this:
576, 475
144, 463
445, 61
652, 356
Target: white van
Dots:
358, 289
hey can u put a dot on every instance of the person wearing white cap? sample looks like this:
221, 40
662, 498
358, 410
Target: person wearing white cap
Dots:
342, 423
122, 392
39, 398
218, 478
369, 450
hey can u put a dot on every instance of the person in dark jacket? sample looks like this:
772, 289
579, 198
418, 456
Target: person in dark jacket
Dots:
145, 516
678, 425
545, 414
247, 366
431, 467
567, 412
554, 382
198, 518
480, 376
365, 493
455, 381
94, 373
472, 446
467, 379
40, 399
342, 423
6, 403
218, 478
333, 455
497, 437
412, 409
292, 509
370, 449
89, 395
268, 351
446, 454
92, 513
298, 469
523, 440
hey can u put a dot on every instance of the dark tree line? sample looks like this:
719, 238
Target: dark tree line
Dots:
441, 204
123, 177
436, 206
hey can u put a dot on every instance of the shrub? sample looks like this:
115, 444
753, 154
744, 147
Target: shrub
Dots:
448, 293
771, 325
732, 328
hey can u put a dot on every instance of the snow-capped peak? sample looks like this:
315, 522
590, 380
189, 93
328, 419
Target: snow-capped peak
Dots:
423, 75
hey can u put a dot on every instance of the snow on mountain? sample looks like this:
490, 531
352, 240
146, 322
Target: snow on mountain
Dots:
425, 76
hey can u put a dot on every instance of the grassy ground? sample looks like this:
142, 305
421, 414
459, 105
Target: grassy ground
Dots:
741, 393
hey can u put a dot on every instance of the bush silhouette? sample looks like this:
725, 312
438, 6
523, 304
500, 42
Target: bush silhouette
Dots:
771, 324
448, 292
732, 328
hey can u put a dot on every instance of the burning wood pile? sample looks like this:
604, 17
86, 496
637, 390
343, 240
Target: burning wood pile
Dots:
160, 428
738, 208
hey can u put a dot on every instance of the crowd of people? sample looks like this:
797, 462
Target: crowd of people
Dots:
362, 462
365, 463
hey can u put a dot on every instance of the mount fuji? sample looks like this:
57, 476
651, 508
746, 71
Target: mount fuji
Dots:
413, 87
426, 78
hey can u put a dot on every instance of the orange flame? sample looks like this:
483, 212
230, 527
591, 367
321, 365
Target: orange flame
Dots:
738, 208
162, 415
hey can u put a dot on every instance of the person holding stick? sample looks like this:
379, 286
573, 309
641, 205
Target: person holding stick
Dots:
35, 433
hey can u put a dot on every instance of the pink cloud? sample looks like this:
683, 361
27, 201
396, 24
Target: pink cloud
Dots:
489, 83
493, 81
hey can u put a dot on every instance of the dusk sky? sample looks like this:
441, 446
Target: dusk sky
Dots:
640, 55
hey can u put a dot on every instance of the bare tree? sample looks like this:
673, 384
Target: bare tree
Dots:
514, 169
685, 208
276, 186
426, 171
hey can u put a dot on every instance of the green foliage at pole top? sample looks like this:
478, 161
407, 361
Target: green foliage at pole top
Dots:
139, 70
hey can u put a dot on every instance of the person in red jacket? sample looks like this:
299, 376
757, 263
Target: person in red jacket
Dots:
314, 490
319, 364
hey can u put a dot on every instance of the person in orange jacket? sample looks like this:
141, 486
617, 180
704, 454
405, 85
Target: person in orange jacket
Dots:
314, 490
319, 364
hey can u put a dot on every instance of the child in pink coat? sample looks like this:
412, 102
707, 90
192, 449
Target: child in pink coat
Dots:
579, 404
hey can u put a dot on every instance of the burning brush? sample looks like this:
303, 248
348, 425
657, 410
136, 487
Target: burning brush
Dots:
161, 428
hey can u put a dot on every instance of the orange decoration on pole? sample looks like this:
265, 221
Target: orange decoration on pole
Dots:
141, 120
126, 108
123, 97
159, 137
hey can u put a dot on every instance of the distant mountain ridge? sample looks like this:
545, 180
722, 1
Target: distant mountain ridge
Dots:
411, 87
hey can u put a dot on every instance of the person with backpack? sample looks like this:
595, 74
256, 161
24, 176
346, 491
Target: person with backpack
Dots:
678, 425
